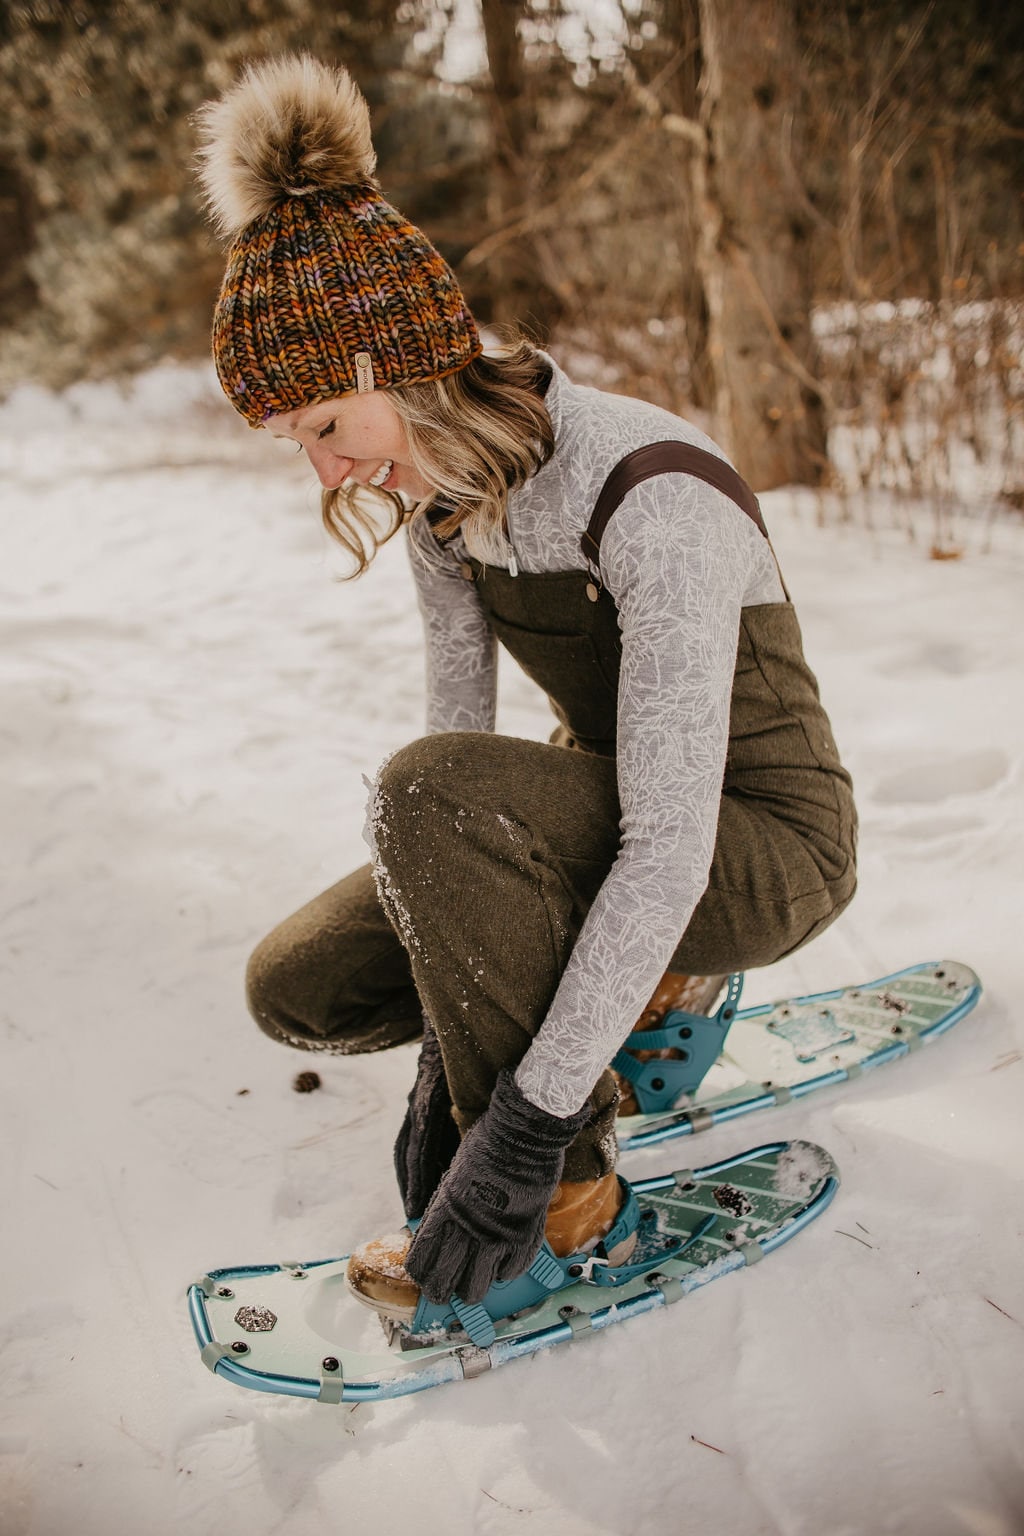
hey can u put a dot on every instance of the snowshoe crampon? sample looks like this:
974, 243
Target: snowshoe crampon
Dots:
740, 1060
296, 1329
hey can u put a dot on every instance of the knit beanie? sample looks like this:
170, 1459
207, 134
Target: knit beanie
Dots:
328, 289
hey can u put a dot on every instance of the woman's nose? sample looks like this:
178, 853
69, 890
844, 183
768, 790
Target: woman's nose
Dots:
331, 470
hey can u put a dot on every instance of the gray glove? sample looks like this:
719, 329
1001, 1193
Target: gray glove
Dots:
486, 1221
429, 1137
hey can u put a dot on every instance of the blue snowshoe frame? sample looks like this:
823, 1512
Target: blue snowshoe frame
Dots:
653, 1286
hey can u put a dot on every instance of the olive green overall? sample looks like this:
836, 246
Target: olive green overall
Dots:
493, 849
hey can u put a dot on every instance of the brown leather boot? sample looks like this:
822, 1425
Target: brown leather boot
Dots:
694, 994
580, 1214
578, 1217
376, 1275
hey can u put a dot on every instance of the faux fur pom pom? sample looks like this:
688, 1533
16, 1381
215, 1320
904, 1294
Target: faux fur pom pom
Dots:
290, 126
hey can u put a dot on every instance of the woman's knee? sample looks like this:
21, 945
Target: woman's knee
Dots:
431, 765
464, 772
295, 1000
267, 989
418, 790
334, 976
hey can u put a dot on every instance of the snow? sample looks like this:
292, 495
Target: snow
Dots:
800, 1169
189, 708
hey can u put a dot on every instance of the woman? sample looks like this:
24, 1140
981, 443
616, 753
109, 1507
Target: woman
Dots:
691, 816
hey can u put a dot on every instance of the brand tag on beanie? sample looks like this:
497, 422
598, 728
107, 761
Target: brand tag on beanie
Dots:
364, 373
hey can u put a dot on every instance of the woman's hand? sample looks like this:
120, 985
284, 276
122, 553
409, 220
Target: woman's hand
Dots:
429, 1137
486, 1221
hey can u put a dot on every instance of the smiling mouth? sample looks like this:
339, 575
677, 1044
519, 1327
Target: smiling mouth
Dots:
378, 479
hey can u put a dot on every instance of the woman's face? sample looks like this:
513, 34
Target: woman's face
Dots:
354, 437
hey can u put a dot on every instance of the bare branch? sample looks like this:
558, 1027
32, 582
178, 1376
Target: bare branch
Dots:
673, 122
524, 220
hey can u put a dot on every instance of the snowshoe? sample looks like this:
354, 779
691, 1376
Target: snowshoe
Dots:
296, 1329
743, 1059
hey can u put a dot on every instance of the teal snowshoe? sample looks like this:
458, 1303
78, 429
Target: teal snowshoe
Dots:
740, 1060
297, 1329
547, 1275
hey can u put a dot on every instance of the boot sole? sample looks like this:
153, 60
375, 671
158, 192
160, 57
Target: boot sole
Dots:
386, 1310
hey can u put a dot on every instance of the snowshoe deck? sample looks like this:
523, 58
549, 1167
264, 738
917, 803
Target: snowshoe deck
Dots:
786, 1050
295, 1328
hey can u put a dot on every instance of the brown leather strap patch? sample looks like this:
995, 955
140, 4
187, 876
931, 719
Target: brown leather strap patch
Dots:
663, 459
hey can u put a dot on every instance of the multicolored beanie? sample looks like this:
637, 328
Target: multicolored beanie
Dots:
328, 289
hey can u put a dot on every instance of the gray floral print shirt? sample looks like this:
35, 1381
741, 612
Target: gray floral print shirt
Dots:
680, 560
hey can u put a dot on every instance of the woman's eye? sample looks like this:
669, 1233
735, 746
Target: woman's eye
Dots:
326, 431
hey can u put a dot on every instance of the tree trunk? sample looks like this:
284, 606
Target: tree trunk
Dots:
519, 291
680, 26
752, 249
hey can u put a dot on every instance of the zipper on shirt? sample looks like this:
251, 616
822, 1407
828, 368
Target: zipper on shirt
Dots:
513, 563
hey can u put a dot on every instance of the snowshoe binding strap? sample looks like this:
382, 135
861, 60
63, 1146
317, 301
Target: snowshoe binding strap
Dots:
699, 1039
547, 1274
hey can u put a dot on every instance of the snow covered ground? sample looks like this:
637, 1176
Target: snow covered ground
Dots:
188, 705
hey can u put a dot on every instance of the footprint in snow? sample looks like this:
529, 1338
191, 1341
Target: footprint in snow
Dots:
932, 828
37, 1344
926, 783
204, 1138
947, 657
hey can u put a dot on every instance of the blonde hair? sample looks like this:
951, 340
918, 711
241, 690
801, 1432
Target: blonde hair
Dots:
473, 437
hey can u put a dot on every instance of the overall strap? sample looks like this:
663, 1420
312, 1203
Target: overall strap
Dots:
663, 459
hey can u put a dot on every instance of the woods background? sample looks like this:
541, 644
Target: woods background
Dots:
800, 222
